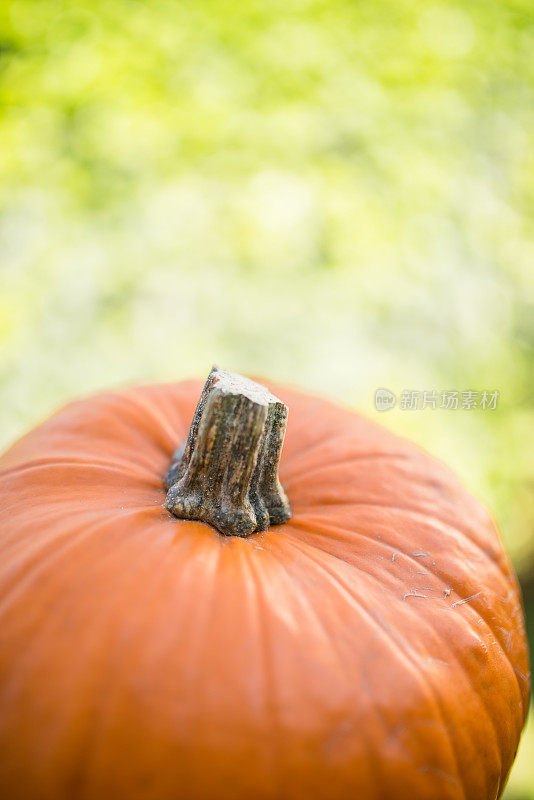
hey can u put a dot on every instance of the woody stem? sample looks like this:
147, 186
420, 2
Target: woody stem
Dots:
226, 473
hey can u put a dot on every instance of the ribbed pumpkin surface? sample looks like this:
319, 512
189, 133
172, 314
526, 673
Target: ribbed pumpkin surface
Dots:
372, 647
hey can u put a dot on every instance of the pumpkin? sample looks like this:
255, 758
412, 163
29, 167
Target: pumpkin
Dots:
370, 646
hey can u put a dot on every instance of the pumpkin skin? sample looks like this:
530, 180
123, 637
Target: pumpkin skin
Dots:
372, 647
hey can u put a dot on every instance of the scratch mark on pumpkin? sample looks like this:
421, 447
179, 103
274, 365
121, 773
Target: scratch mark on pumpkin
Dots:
522, 675
507, 637
395, 734
338, 737
465, 600
439, 772
420, 554
438, 661
415, 594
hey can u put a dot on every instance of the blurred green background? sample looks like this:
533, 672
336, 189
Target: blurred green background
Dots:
336, 194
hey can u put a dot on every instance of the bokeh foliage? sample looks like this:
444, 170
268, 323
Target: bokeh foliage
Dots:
336, 194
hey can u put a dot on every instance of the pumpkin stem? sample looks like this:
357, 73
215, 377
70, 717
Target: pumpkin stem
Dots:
226, 473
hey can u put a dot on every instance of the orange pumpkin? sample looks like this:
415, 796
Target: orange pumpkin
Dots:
371, 647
